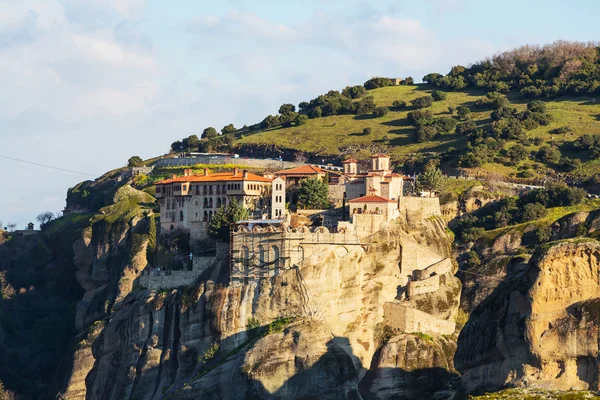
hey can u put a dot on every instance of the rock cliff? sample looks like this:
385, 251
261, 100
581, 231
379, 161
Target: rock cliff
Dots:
315, 330
540, 327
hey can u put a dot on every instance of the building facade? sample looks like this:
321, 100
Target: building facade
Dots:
189, 202
379, 180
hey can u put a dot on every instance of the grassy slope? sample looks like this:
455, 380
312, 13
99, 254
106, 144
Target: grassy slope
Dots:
329, 135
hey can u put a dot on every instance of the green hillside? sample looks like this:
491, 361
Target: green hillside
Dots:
343, 134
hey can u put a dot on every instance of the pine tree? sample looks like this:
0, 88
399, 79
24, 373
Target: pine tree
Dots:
431, 179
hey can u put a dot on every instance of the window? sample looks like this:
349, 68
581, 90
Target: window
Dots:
219, 202
205, 202
205, 218
210, 215
224, 190
210, 204
210, 189
180, 215
218, 189
205, 191
197, 189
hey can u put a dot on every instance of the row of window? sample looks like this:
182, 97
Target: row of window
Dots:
278, 199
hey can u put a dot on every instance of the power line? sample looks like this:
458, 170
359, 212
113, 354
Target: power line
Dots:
47, 166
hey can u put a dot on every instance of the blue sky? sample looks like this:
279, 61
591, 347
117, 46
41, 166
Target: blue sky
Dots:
87, 84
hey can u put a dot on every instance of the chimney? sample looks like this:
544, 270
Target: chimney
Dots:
205, 171
187, 172
245, 174
173, 176
235, 170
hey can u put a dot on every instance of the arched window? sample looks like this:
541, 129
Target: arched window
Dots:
205, 202
197, 189
218, 202
224, 201
210, 189
224, 189
205, 216
218, 189
180, 215
209, 215
205, 189
210, 203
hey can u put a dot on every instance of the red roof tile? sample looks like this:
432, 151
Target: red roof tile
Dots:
371, 199
302, 170
349, 160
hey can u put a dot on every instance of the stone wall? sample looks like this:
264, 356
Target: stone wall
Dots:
167, 279
402, 318
428, 285
419, 208
440, 268
336, 194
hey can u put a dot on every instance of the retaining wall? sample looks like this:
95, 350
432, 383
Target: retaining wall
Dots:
402, 318
440, 268
427, 285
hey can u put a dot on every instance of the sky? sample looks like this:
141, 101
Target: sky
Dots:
85, 84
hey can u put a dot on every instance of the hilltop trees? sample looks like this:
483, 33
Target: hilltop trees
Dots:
377, 82
354, 92
209, 133
228, 129
44, 218
380, 112
135, 161
533, 71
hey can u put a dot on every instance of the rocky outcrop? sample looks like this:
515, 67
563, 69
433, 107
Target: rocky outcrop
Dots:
199, 342
540, 328
413, 367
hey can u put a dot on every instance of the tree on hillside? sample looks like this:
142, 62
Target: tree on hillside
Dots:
228, 129
192, 141
44, 218
380, 112
209, 133
377, 82
463, 112
300, 119
287, 108
431, 179
422, 102
269, 122
354, 92
313, 194
399, 104
407, 81
438, 95
365, 106
135, 161
221, 221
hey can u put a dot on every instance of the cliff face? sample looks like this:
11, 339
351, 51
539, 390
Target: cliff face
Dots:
540, 328
311, 331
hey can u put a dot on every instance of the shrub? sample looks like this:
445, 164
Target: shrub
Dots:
465, 128
445, 124
562, 129
438, 95
365, 106
269, 122
543, 234
377, 82
301, 119
472, 234
518, 153
399, 104
537, 106
380, 112
463, 111
426, 133
473, 259
366, 131
407, 81
548, 155
210, 133
533, 211
420, 117
354, 92
422, 102
135, 161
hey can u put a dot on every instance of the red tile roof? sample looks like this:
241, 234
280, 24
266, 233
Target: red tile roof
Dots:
371, 199
217, 177
349, 160
302, 170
